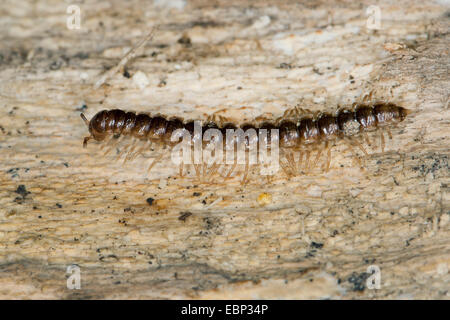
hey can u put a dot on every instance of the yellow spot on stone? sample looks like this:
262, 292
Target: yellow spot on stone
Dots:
264, 199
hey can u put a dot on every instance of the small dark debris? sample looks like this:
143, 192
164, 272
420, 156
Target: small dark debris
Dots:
22, 191
285, 65
185, 40
317, 71
239, 88
184, 215
149, 201
311, 253
66, 164
82, 108
19, 200
59, 205
126, 74
206, 23
55, 65
14, 172
81, 55
197, 194
317, 245
109, 258
358, 280
204, 201
162, 83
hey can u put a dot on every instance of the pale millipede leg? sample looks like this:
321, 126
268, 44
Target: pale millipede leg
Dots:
111, 144
308, 153
233, 167
155, 161
204, 169
327, 149
146, 145
366, 136
382, 141
285, 169
130, 152
213, 170
360, 147
122, 152
328, 160
352, 150
246, 169
291, 161
389, 133
181, 170
197, 172
316, 160
300, 158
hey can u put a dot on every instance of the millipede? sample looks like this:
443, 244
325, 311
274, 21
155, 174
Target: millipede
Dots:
297, 132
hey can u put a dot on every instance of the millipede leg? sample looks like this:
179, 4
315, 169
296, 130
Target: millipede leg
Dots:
233, 167
361, 147
389, 133
140, 150
121, 152
285, 169
291, 162
155, 161
382, 141
246, 169
308, 154
326, 165
197, 172
181, 170
213, 170
327, 168
319, 153
85, 141
352, 150
130, 152
111, 145
366, 136
300, 158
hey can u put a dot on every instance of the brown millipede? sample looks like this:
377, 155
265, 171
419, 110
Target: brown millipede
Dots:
302, 133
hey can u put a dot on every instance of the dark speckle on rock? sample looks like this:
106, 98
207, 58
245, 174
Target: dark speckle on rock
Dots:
317, 245
150, 201
358, 280
22, 190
